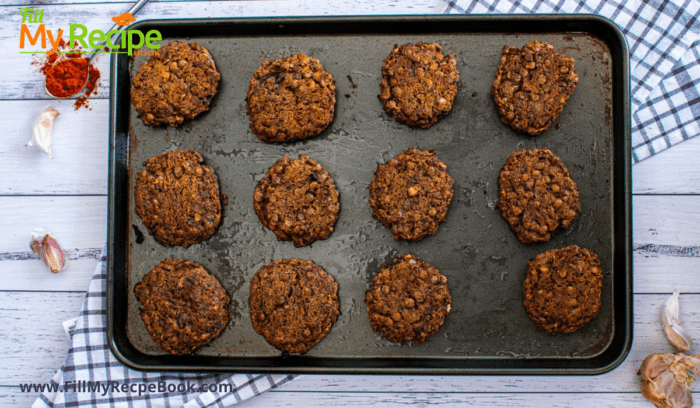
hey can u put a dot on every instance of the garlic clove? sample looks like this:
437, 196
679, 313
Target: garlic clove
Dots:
678, 337
671, 313
46, 247
670, 317
41, 131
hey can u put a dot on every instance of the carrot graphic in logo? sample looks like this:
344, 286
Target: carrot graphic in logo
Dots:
124, 20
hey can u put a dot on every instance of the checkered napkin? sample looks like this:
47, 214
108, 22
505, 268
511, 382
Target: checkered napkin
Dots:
89, 359
664, 52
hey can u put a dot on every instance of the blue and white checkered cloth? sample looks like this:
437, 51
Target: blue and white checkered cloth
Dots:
663, 40
664, 52
90, 360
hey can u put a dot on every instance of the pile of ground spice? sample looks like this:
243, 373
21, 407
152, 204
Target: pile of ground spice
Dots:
65, 74
67, 77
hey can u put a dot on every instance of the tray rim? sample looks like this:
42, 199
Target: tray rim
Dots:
621, 343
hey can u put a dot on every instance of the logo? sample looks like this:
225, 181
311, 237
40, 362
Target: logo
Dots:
124, 20
130, 41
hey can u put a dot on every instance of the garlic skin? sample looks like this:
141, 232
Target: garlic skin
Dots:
41, 131
670, 317
46, 247
667, 379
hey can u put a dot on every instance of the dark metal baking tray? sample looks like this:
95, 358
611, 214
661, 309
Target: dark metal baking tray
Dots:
488, 330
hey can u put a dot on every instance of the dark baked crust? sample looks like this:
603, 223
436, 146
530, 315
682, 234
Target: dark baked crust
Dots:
418, 84
411, 194
290, 99
293, 304
177, 198
537, 196
175, 84
532, 86
182, 305
297, 200
408, 300
562, 289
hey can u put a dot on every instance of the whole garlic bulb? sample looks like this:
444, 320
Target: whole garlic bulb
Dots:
667, 379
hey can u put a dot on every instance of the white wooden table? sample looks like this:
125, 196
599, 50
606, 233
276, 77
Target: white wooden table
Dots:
67, 195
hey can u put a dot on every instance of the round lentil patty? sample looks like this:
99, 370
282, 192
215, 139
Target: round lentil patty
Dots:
537, 195
419, 83
411, 194
562, 289
175, 84
293, 304
297, 200
532, 85
290, 99
408, 300
183, 306
177, 198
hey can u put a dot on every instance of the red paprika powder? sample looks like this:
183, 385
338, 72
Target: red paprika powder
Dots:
66, 71
90, 88
67, 77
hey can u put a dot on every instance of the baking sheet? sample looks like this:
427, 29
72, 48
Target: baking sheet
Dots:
483, 260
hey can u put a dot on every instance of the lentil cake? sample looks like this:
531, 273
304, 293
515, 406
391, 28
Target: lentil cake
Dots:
411, 194
419, 83
532, 85
537, 195
290, 99
293, 304
297, 200
562, 289
175, 84
408, 300
177, 198
183, 306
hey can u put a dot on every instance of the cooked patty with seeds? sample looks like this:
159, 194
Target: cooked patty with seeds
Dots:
297, 200
562, 289
532, 86
419, 83
408, 300
183, 306
411, 194
177, 198
175, 84
290, 99
537, 195
293, 304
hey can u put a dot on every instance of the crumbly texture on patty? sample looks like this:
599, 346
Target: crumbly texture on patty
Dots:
562, 289
183, 306
178, 198
537, 196
297, 200
175, 84
419, 83
532, 86
411, 194
290, 99
408, 301
293, 304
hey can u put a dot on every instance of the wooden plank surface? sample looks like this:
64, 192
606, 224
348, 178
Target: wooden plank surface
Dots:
79, 144
449, 400
66, 195
34, 344
673, 171
666, 256
38, 316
